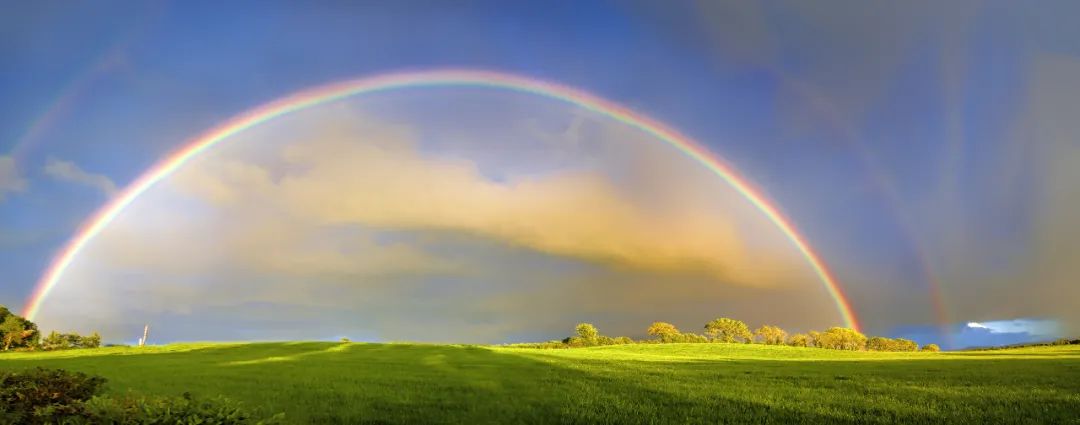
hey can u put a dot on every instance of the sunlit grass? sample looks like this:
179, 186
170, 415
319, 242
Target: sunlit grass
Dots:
677, 383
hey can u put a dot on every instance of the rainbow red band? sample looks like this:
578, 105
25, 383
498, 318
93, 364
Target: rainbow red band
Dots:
451, 77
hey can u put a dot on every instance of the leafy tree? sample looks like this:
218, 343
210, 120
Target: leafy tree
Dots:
61, 341
799, 340
838, 338
901, 344
588, 333
878, 343
92, 341
665, 332
622, 340
16, 331
728, 330
814, 338
933, 348
771, 335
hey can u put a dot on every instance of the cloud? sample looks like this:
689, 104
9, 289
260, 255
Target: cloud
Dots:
386, 182
69, 172
983, 334
1035, 327
10, 181
357, 226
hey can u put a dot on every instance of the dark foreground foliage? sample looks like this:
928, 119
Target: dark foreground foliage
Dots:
56, 396
45, 395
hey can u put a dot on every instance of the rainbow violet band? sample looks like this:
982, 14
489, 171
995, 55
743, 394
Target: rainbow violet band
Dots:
433, 78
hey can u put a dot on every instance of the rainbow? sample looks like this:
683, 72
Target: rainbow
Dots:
433, 78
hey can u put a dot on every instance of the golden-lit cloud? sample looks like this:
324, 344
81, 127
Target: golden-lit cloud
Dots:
382, 180
346, 218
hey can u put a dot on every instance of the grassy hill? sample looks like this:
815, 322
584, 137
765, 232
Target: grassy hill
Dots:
321, 382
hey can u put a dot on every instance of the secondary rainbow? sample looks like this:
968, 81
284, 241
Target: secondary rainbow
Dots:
433, 78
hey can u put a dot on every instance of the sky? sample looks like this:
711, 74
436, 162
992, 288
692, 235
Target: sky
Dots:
927, 153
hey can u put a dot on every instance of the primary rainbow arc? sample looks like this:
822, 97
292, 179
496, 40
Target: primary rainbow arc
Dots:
448, 77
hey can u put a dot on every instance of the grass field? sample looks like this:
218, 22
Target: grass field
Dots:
670, 383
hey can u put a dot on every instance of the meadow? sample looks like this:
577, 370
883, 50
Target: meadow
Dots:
321, 382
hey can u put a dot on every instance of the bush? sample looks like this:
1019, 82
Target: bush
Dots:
53, 396
133, 409
933, 348
40, 396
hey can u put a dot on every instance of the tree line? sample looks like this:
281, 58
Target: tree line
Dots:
18, 333
727, 330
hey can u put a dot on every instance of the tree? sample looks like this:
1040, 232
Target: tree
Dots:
799, 340
838, 338
901, 344
771, 335
588, 333
933, 348
15, 331
665, 332
62, 341
878, 343
815, 338
54, 341
92, 341
728, 330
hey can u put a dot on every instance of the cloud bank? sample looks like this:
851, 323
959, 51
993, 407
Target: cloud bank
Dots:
358, 224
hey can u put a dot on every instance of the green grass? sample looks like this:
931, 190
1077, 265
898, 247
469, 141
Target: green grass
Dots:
671, 383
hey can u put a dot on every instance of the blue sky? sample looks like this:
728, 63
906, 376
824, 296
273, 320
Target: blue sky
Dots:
882, 131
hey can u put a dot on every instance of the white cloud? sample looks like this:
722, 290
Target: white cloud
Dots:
69, 172
1036, 327
10, 181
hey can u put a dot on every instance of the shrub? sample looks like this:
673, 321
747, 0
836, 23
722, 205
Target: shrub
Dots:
52, 396
575, 341
134, 409
933, 348
40, 396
